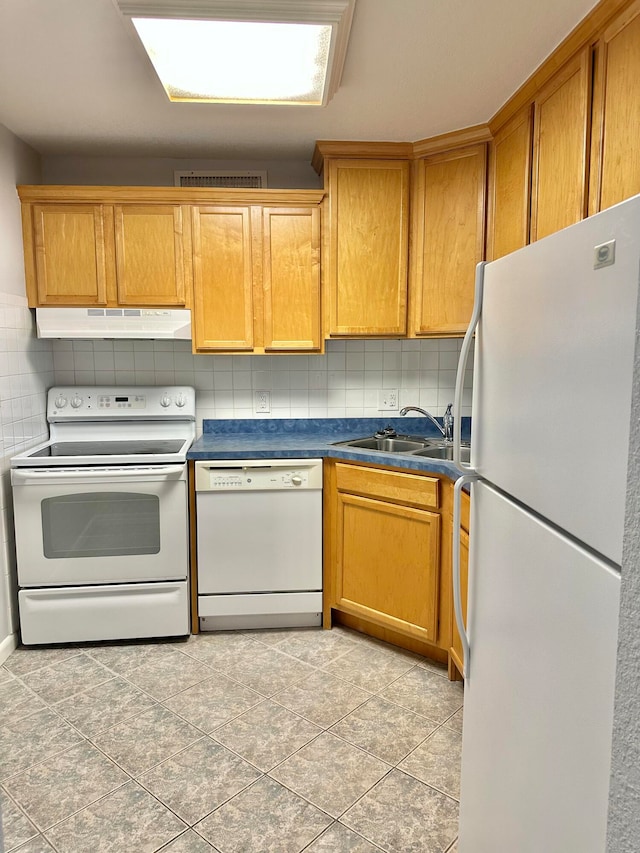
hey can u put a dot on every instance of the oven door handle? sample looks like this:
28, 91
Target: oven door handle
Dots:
22, 475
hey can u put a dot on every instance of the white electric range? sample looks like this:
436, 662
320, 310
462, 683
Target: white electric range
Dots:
101, 516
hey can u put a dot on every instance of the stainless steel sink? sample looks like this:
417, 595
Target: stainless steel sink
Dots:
390, 445
443, 452
432, 448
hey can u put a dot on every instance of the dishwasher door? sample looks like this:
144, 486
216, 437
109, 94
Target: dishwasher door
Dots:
259, 542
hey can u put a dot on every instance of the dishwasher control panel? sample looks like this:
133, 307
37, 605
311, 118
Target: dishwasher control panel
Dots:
258, 475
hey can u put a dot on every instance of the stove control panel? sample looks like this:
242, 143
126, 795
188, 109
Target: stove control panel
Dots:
121, 401
113, 403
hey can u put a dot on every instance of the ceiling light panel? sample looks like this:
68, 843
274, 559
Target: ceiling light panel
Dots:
237, 61
269, 52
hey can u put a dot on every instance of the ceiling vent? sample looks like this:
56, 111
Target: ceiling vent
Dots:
239, 179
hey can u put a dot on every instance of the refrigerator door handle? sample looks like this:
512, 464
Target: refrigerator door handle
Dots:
457, 596
462, 366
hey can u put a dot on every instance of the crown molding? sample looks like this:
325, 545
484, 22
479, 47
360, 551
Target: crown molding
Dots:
35, 194
359, 150
456, 139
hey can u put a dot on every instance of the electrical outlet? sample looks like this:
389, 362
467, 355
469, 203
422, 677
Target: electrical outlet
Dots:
388, 400
262, 401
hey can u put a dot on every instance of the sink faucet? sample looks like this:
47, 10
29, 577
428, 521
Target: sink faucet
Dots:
447, 420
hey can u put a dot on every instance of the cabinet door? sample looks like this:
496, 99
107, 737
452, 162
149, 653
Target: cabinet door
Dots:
510, 186
368, 246
456, 643
149, 254
560, 148
223, 278
70, 261
449, 240
616, 113
388, 564
291, 278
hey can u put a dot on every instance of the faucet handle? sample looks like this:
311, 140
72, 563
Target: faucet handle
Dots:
387, 432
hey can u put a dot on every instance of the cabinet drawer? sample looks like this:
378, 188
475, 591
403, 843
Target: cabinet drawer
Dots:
465, 509
393, 486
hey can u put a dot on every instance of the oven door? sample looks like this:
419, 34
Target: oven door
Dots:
100, 525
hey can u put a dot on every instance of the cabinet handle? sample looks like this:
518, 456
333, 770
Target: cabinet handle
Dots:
457, 597
462, 366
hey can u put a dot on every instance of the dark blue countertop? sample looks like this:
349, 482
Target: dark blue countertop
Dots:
305, 438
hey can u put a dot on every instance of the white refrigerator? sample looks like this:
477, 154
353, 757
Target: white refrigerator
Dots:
555, 331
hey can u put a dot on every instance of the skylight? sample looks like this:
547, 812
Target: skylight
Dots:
245, 52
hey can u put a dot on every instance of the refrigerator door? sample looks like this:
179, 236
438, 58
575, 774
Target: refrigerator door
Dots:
543, 616
553, 375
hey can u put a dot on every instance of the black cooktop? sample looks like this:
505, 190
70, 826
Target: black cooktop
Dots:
110, 448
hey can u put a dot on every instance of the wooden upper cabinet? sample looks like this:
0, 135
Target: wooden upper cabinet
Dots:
561, 148
368, 242
150, 261
291, 278
65, 254
510, 186
222, 278
615, 163
256, 278
449, 234
249, 258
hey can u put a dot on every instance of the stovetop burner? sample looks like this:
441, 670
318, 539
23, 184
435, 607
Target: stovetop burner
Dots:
108, 448
107, 426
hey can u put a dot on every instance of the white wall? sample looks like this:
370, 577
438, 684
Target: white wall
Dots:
344, 382
26, 364
158, 171
624, 794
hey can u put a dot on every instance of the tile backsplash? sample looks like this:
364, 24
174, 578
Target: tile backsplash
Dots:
26, 371
344, 382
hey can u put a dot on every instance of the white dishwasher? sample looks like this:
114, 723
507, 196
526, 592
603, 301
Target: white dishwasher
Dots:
259, 543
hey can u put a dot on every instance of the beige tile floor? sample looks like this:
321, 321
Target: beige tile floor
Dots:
278, 741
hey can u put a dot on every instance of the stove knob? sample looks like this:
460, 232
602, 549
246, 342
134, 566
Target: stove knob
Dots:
181, 400
60, 402
76, 402
165, 401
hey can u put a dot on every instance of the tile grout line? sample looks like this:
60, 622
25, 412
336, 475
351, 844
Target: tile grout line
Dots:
263, 698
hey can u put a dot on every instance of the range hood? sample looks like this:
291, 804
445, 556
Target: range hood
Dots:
88, 323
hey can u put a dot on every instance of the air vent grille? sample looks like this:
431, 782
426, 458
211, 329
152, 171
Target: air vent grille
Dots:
242, 180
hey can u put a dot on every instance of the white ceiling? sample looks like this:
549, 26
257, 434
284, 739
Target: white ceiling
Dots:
73, 81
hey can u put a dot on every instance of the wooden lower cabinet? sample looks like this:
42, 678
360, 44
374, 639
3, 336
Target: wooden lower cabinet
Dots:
387, 555
455, 653
403, 545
